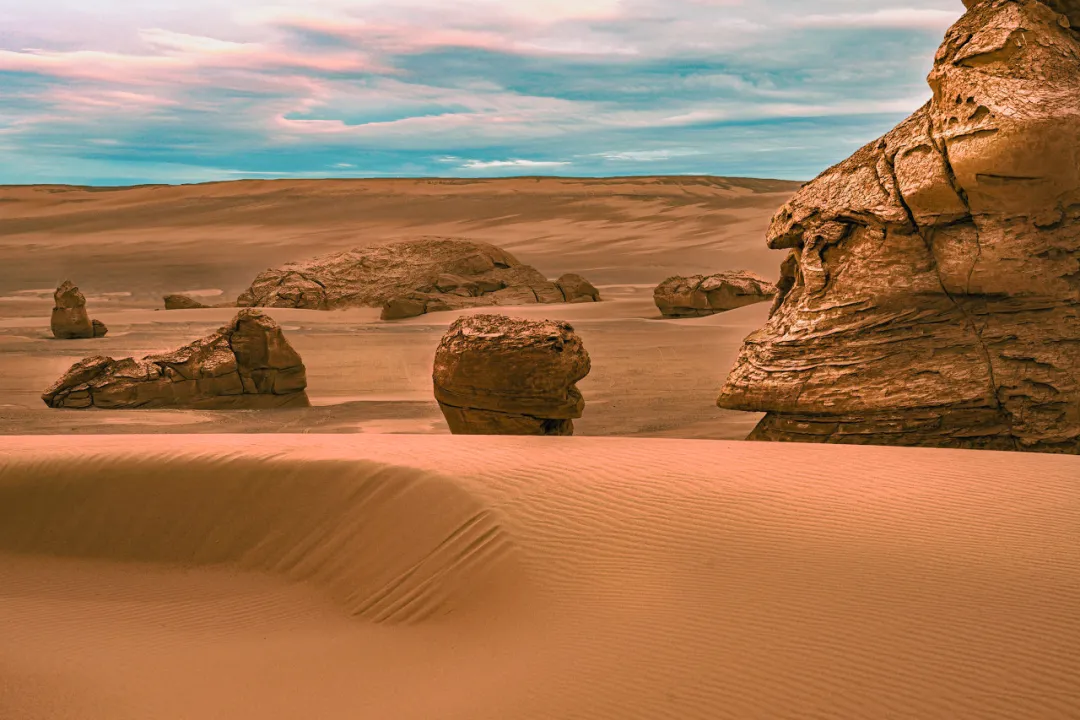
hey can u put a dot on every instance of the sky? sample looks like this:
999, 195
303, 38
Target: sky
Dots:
118, 92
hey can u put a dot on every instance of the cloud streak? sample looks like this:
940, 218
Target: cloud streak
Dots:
377, 87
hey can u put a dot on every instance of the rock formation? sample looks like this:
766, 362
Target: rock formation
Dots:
183, 302
496, 375
932, 291
699, 295
246, 364
69, 317
407, 278
576, 289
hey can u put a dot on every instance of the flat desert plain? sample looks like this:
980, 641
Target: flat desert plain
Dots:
353, 560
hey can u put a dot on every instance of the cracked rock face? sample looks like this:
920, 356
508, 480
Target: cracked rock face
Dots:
496, 375
405, 278
932, 291
246, 364
69, 317
699, 295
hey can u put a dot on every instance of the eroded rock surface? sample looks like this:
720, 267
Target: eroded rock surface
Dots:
932, 292
496, 375
183, 302
699, 295
405, 278
69, 317
246, 364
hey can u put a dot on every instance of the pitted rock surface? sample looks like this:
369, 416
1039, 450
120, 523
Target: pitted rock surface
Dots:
246, 364
496, 375
932, 291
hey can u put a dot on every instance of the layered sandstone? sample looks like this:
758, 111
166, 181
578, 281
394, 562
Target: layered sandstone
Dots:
496, 375
406, 278
700, 295
246, 364
932, 291
69, 317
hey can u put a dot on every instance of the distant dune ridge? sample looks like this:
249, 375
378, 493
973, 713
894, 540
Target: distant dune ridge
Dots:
932, 294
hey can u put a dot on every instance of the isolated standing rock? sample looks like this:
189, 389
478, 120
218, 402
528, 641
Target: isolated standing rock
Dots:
576, 289
246, 364
699, 295
496, 375
69, 317
932, 291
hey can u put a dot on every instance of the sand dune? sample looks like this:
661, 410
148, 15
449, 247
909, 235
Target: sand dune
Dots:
596, 578
154, 240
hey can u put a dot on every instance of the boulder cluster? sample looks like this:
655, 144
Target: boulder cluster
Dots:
700, 295
69, 317
932, 291
413, 277
496, 375
248, 363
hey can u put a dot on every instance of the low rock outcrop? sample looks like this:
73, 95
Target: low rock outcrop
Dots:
406, 278
496, 375
932, 291
183, 302
246, 364
69, 317
699, 295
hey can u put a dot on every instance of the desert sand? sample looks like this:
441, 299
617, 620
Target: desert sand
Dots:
354, 560
282, 576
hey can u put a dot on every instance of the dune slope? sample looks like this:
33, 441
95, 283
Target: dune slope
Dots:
598, 578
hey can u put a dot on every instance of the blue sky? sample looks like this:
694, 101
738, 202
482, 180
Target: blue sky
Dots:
113, 92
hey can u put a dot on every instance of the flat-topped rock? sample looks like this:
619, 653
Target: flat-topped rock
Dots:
407, 278
699, 295
932, 291
245, 364
69, 317
496, 375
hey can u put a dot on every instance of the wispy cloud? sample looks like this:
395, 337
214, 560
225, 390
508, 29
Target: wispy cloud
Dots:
341, 87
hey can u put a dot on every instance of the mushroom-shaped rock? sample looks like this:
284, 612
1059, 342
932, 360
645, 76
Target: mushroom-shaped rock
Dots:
699, 295
496, 375
183, 302
69, 317
406, 278
932, 291
576, 289
246, 364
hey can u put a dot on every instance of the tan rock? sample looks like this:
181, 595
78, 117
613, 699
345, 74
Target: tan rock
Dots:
699, 295
183, 302
69, 317
246, 364
577, 289
426, 274
496, 375
932, 292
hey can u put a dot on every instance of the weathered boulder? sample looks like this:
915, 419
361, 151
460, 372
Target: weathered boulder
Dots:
699, 295
183, 302
425, 274
496, 375
932, 291
246, 364
576, 289
69, 317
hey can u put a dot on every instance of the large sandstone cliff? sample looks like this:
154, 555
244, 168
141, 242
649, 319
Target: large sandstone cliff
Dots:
932, 291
